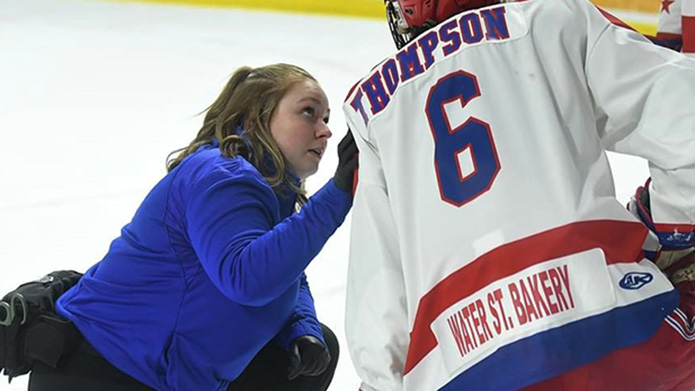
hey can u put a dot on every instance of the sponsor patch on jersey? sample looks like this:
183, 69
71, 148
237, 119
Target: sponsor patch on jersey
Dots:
539, 298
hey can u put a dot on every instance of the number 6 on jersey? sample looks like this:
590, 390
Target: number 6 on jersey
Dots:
473, 138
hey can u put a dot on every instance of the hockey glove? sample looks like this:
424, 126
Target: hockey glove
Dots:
308, 357
347, 163
671, 237
676, 258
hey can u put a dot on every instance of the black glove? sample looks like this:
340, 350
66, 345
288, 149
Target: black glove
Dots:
347, 163
308, 357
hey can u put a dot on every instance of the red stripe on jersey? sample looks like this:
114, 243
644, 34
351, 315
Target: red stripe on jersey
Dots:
688, 34
668, 36
615, 20
621, 242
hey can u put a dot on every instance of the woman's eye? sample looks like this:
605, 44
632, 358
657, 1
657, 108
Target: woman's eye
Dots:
325, 120
308, 111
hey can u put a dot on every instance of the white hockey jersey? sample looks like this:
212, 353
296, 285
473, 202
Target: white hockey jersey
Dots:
488, 251
677, 24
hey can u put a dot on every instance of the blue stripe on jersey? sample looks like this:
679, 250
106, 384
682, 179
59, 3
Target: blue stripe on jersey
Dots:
559, 350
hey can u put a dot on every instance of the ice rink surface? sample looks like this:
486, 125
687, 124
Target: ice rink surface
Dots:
94, 95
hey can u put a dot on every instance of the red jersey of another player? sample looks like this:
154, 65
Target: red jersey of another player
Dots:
677, 25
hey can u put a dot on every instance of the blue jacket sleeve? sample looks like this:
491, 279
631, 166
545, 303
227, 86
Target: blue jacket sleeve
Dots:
231, 218
303, 321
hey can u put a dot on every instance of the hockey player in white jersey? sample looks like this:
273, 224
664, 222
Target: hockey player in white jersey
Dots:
488, 250
677, 25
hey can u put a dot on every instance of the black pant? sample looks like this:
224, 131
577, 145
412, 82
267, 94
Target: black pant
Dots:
86, 370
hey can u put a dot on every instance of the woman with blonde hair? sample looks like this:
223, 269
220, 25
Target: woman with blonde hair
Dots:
205, 288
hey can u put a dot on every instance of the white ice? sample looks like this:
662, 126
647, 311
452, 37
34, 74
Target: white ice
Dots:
94, 95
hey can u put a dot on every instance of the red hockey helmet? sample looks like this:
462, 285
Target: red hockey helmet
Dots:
408, 18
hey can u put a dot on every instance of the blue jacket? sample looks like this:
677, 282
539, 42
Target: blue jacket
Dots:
210, 269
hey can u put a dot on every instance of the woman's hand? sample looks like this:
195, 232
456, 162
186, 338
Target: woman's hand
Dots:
347, 163
308, 357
